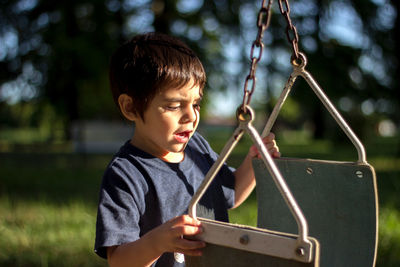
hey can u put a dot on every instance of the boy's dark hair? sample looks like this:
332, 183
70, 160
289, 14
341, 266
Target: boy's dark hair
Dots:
152, 62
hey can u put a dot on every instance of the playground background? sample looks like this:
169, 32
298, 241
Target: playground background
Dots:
59, 126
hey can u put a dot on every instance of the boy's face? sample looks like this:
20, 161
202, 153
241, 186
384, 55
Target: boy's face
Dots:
169, 122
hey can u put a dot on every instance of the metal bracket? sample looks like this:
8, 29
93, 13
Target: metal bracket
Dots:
299, 70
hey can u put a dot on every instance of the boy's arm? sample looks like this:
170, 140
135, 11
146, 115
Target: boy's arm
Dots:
244, 175
165, 238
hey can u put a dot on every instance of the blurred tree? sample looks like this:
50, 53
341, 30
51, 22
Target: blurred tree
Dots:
350, 46
56, 53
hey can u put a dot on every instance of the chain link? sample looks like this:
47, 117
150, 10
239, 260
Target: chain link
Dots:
256, 51
263, 20
291, 31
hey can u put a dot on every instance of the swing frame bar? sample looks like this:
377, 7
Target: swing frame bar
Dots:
299, 70
299, 248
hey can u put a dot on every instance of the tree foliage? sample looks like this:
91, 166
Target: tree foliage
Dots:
55, 53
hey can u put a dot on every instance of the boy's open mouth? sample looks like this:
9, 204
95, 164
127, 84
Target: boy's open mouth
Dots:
183, 137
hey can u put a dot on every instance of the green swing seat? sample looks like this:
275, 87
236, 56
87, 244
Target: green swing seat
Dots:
339, 201
239, 246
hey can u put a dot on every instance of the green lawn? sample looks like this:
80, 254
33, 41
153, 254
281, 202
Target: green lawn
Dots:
48, 202
48, 209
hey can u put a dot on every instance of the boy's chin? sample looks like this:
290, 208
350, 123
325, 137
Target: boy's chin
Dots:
179, 149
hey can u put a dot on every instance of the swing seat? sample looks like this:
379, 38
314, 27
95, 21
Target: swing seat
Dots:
339, 200
237, 245
241, 246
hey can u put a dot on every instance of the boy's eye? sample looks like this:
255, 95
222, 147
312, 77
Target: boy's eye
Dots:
177, 107
172, 108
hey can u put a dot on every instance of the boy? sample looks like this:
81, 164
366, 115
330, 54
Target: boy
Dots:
157, 82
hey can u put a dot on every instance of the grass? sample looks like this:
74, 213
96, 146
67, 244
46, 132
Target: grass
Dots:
389, 237
39, 233
48, 209
48, 201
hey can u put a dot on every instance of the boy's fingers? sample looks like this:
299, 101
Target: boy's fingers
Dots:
270, 137
274, 152
190, 252
186, 219
186, 230
185, 244
270, 144
189, 247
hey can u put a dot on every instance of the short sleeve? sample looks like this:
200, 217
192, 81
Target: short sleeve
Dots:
118, 213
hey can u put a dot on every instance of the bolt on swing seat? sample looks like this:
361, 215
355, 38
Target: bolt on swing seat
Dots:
339, 199
239, 246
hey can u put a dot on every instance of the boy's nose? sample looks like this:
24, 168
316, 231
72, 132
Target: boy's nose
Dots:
190, 114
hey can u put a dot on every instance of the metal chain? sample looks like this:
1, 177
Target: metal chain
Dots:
291, 31
257, 47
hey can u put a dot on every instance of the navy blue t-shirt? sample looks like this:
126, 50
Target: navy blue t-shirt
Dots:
140, 192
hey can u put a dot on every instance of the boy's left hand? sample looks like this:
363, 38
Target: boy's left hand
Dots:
270, 144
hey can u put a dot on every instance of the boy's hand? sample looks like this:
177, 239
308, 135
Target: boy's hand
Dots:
270, 144
168, 237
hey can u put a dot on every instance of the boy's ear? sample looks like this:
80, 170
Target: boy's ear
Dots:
126, 106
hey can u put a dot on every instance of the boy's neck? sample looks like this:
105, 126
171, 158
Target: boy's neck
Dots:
174, 157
